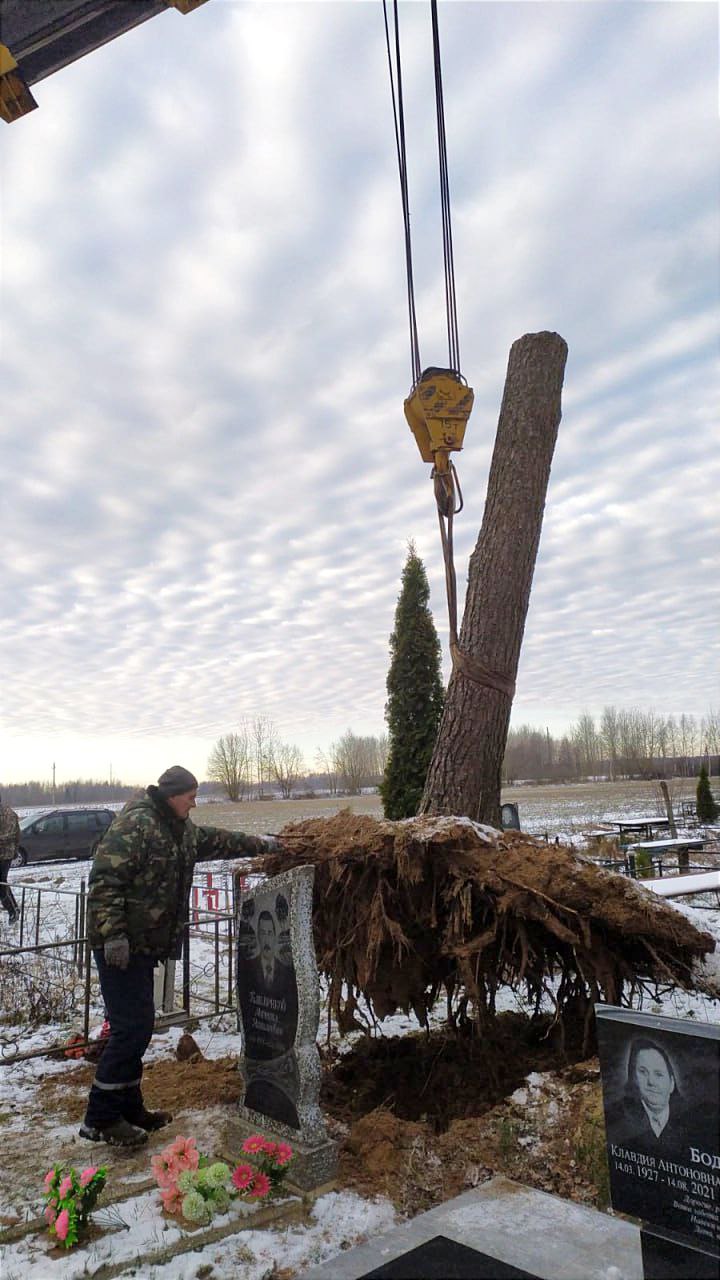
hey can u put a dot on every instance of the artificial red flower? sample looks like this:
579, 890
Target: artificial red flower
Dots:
260, 1186
242, 1176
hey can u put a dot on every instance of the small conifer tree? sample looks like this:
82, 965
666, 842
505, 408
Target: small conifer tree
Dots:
415, 693
707, 810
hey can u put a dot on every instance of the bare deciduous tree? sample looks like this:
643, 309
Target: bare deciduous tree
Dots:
529, 754
326, 764
687, 726
229, 763
585, 737
356, 760
263, 737
286, 766
711, 732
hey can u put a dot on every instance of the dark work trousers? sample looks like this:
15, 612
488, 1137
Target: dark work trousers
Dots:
7, 897
128, 994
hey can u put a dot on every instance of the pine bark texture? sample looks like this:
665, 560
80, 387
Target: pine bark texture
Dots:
465, 770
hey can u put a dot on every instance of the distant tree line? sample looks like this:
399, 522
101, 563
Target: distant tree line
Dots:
620, 744
253, 762
77, 791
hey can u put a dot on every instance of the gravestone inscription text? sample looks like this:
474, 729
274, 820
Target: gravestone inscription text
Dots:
661, 1094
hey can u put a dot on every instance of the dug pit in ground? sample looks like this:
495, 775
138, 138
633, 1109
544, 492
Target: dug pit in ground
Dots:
420, 1118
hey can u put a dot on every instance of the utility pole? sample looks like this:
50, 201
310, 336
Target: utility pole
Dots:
53, 796
669, 809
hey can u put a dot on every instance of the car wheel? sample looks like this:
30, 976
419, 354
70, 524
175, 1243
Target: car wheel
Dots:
20, 859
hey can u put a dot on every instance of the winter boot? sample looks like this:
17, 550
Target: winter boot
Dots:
118, 1134
152, 1120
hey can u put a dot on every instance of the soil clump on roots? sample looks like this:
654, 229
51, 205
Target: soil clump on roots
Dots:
405, 910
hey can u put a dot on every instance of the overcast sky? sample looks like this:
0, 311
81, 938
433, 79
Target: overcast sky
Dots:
208, 481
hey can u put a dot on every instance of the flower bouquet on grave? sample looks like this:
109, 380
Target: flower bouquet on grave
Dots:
194, 1187
70, 1198
266, 1169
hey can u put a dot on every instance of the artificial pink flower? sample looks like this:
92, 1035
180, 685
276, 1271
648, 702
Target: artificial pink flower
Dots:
167, 1166
260, 1186
184, 1153
48, 1180
254, 1144
172, 1200
87, 1175
50, 1215
181, 1145
65, 1187
62, 1224
283, 1154
269, 1148
164, 1170
242, 1176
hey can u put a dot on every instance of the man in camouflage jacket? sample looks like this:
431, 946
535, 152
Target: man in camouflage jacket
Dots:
9, 841
138, 897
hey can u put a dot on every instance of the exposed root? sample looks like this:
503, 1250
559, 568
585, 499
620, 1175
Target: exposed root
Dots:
402, 909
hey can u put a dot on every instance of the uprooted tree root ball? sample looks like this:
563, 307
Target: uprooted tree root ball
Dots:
404, 909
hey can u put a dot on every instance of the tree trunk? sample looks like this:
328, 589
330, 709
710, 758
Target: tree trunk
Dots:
464, 773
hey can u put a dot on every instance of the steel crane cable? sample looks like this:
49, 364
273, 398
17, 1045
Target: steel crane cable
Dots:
447, 486
450, 298
399, 120
396, 90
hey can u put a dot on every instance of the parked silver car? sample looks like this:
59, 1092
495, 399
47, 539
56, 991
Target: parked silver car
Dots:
61, 833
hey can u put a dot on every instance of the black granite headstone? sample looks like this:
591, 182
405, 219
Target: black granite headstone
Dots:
267, 988
661, 1092
272, 1100
668, 1256
443, 1259
509, 817
279, 1012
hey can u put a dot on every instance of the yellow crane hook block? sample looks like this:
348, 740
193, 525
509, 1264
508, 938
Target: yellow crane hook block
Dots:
437, 411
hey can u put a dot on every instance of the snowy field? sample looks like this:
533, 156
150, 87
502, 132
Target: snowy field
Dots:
565, 810
134, 1229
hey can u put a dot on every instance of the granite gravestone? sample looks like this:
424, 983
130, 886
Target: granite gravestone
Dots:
666, 1255
509, 817
661, 1094
443, 1259
279, 1011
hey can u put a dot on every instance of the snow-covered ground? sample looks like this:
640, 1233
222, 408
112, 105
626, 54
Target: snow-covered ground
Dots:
136, 1228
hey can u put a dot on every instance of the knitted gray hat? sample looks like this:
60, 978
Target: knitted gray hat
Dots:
175, 781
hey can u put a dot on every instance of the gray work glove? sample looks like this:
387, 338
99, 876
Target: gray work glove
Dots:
117, 952
270, 844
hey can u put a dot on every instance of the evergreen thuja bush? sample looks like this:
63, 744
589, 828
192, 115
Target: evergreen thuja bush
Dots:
415, 694
706, 808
